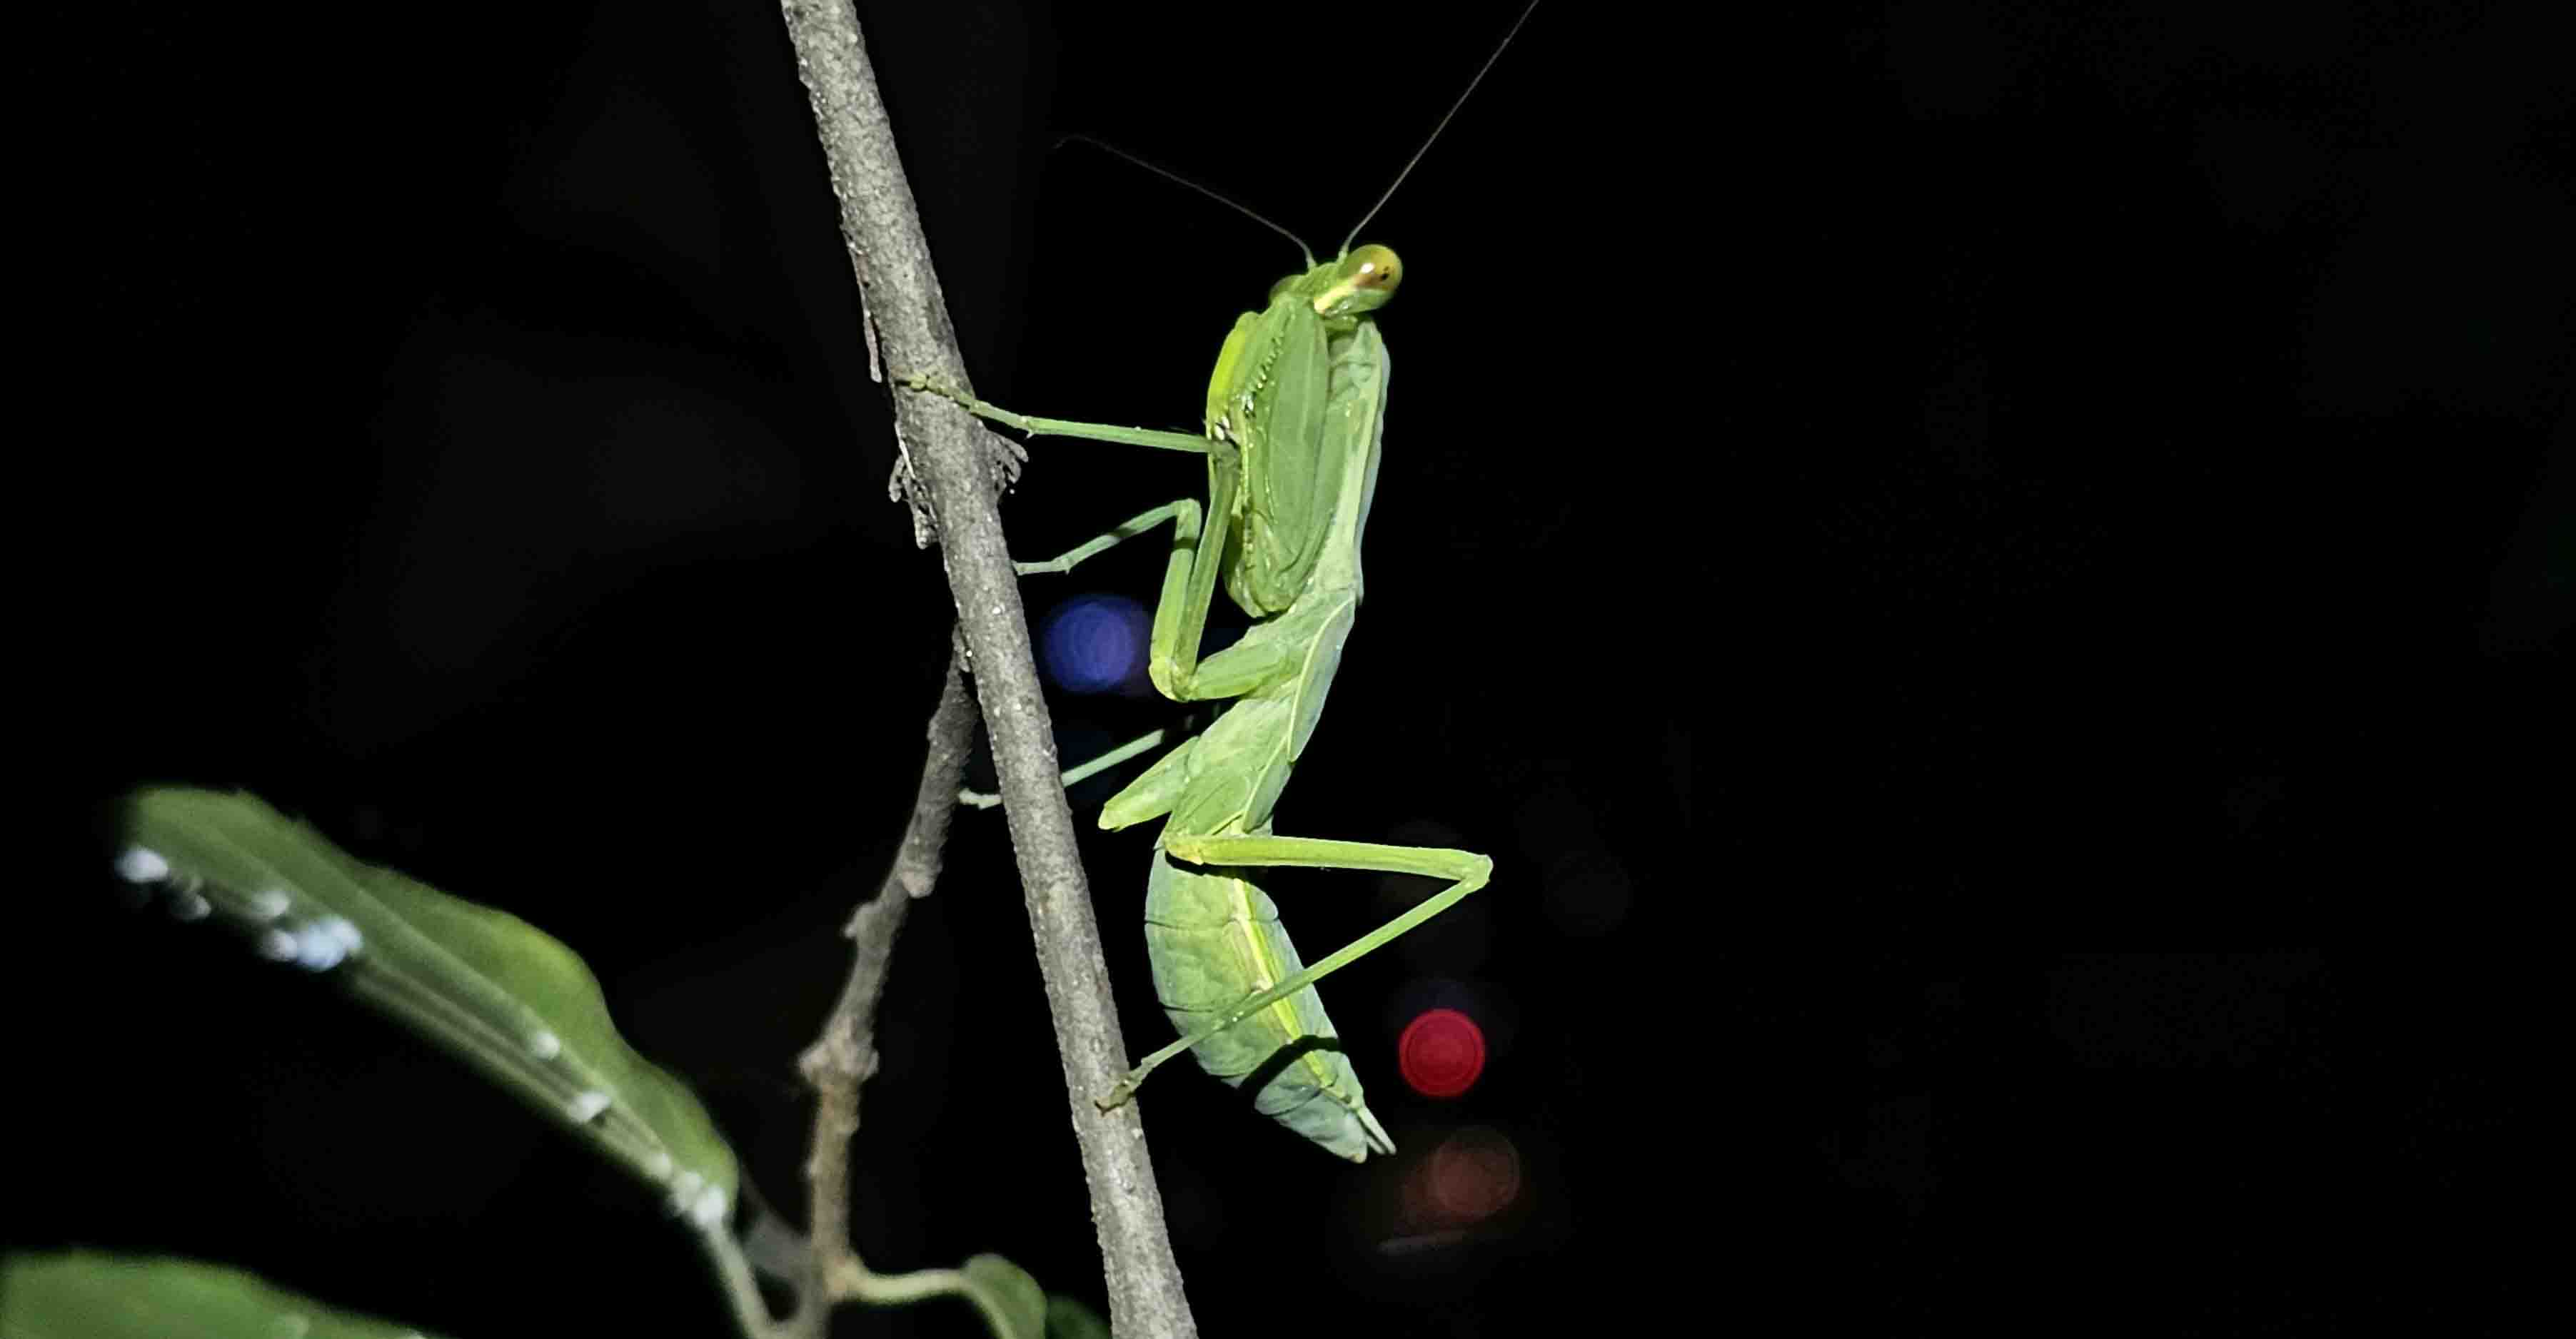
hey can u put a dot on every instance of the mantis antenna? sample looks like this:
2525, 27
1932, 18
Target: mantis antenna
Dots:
1445, 119
1249, 212
1210, 192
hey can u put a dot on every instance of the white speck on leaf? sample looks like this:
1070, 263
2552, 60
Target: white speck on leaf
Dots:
684, 1191
317, 949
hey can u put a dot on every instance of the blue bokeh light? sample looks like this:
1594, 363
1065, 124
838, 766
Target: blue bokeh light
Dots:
1095, 643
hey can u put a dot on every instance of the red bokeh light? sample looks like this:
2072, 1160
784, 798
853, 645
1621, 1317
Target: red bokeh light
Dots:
1474, 1174
1441, 1053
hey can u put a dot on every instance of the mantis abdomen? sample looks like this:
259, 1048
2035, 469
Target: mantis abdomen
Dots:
1215, 942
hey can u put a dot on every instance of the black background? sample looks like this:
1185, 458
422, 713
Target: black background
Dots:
1994, 585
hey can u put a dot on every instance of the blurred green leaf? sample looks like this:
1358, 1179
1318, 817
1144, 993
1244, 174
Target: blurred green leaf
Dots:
1012, 1302
84, 1295
497, 992
1070, 1318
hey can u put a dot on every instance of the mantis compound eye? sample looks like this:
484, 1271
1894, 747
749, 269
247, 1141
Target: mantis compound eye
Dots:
1363, 281
1374, 267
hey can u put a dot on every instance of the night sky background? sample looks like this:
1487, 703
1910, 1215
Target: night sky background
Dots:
1995, 584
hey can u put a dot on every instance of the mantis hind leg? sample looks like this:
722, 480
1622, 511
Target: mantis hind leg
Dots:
1466, 871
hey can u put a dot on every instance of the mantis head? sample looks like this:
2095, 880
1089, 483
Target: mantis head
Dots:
1359, 282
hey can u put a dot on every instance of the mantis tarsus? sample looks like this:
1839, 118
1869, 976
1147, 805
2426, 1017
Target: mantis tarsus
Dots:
1294, 419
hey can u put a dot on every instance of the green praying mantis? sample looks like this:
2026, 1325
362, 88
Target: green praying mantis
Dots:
1295, 416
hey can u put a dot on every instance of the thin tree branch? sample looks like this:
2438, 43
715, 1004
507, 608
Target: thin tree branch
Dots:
845, 1054
952, 469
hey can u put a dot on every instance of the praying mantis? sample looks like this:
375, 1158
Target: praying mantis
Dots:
1295, 416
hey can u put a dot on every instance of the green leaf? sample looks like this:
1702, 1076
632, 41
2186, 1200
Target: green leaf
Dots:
86, 1295
490, 988
1012, 1302
1070, 1318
